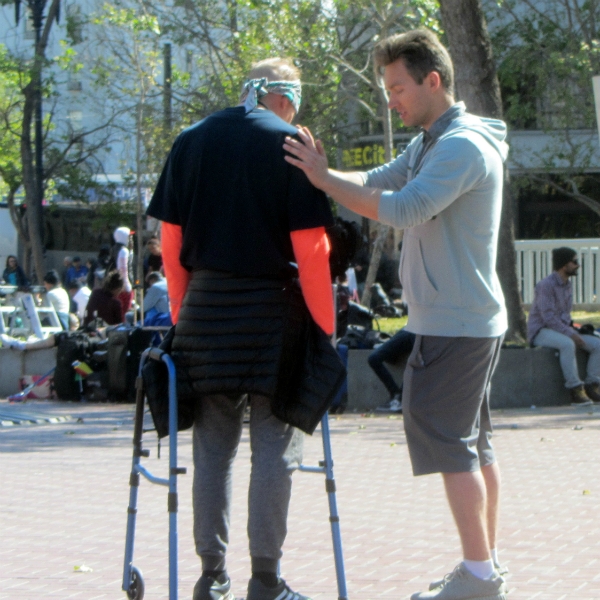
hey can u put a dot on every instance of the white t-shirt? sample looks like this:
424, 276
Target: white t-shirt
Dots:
59, 298
123, 267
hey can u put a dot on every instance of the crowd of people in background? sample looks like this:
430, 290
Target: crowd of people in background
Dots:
101, 288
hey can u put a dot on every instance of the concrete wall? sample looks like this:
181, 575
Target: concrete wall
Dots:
524, 377
15, 364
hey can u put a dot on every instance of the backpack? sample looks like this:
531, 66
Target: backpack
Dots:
358, 337
381, 304
354, 314
125, 347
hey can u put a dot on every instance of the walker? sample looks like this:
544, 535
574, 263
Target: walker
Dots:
133, 581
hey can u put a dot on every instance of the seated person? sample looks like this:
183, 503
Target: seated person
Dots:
15, 344
156, 301
76, 272
80, 295
58, 297
104, 302
52, 340
399, 345
13, 274
550, 325
153, 262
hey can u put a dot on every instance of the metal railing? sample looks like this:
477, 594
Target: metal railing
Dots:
534, 262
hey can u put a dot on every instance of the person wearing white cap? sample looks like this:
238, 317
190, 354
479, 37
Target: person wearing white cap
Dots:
123, 261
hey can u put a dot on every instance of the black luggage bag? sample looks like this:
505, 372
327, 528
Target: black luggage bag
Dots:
70, 347
125, 347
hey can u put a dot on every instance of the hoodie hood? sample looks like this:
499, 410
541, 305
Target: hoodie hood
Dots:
493, 130
121, 235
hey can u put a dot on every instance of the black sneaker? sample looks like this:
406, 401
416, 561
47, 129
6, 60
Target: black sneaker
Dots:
209, 588
579, 397
257, 590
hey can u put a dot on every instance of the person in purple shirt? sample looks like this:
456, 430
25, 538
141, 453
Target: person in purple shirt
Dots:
550, 325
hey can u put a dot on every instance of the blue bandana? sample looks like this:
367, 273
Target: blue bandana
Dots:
255, 89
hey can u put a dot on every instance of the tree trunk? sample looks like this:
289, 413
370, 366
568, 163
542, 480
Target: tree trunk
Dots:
34, 204
478, 86
139, 270
383, 230
32, 186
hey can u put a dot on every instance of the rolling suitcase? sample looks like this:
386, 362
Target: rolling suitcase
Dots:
125, 347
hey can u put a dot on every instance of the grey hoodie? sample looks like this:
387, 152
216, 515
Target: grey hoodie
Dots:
449, 206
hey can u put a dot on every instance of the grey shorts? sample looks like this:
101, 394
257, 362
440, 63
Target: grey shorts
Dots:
446, 403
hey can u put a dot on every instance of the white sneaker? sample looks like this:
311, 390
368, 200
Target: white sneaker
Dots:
501, 569
461, 584
393, 406
10, 342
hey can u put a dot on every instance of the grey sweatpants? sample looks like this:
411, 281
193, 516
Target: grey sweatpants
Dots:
276, 451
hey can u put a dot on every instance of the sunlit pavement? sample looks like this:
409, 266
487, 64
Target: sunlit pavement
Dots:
64, 494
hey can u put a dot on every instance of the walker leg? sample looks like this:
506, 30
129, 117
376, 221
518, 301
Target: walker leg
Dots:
134, 482
174, 471
334, 518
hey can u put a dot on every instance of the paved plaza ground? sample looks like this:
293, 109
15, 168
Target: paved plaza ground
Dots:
64, 493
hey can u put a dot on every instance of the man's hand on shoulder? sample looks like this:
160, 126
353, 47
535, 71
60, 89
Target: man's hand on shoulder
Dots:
345, 188
308, 155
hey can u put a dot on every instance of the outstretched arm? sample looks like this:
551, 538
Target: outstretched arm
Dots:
345, 188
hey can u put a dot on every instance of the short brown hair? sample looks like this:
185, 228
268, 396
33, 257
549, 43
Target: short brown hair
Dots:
275, 69
421, 51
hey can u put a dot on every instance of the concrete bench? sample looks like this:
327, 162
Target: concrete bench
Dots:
524, 377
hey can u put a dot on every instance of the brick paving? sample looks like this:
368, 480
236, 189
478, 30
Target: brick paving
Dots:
64, 493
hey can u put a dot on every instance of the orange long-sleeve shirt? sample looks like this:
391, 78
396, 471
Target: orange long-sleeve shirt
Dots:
311, 249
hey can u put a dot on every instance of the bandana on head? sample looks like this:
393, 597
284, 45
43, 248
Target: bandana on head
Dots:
255, 89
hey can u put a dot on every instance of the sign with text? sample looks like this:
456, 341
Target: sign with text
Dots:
368, 155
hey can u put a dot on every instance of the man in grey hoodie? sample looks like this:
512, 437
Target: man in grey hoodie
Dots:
445, 191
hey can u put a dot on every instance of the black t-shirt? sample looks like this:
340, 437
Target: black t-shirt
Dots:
227, 185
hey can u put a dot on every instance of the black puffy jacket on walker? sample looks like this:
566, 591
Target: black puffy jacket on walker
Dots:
249, 335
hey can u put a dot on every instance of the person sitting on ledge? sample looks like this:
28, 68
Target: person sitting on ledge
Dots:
391, 351
58, 297
550, 325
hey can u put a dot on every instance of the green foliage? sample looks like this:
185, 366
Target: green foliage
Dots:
76, 22
68, 169
547, 54
546, 57
127, 73
11, 115
331, 43
111, 214
67, 61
